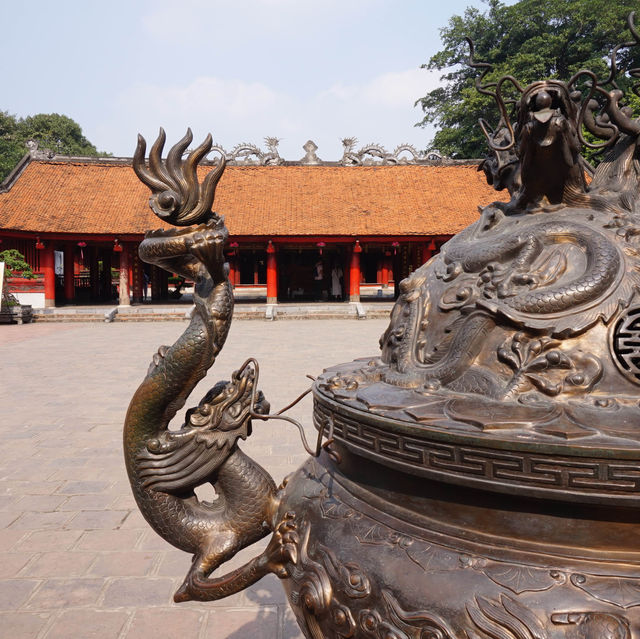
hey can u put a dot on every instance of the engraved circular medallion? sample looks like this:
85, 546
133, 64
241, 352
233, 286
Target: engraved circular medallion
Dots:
626, 344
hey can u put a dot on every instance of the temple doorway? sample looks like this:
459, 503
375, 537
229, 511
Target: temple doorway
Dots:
311, 274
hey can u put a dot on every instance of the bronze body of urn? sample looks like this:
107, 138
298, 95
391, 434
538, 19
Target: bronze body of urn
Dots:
478, 479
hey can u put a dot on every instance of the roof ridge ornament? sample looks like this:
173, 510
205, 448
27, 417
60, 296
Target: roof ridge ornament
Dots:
246, 153
310, 156
372, 153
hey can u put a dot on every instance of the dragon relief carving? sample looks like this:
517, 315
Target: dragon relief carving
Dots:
339, 599
335, 596
165, 465
506, 618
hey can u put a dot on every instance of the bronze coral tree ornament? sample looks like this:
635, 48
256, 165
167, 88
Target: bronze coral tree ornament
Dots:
483, 480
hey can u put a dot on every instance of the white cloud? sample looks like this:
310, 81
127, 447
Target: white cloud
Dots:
396, 90
380, 110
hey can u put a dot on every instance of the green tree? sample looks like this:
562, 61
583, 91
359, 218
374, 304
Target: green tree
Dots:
52, 131
531, 40
15, 264
11, 150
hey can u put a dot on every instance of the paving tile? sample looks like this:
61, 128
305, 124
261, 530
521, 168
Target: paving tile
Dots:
14, 487
97, 519
260, 623
108, 540
68, 462
84, 487
44, 503
10, 538
139, 592
123, 564
88, 624
152, 541
86, 502
40, 521
167, 624
66, 593
7, 502
14, 592
8, 517
174, 563
47, 540
32, 472
22, 625
135, 520
12, 562
76, 475
59, 564
125, 502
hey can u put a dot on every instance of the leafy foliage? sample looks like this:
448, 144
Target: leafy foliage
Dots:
531, 40
52, 131
16, 264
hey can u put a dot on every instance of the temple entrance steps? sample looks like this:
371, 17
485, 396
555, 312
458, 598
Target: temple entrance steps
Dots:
182, 312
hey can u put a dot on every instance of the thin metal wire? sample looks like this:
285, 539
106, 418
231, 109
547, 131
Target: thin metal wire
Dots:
320, 445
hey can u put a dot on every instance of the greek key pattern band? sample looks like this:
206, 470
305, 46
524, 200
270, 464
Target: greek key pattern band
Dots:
517, 468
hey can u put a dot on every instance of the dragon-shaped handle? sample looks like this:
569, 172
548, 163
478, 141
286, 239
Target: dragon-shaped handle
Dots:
165, 466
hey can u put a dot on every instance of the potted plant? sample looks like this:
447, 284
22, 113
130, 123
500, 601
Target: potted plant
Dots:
16, 268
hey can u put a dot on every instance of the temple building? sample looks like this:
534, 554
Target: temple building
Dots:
297, 227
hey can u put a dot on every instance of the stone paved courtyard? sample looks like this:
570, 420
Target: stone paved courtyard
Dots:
77, 560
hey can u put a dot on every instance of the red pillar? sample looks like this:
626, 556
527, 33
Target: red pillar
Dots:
47, 266
69, 273
354, 273
232, 267
138, 276
123, 298
386, 268
272, 275
429, 251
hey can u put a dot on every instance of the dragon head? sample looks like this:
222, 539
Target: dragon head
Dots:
228, 407
548, 115
181, 459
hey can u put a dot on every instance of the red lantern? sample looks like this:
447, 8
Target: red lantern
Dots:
82, 244
39, 244
320, 245
117, 247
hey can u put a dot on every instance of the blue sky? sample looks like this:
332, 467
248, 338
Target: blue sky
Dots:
241, 69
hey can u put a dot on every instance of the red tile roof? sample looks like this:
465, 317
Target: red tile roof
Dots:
99, 198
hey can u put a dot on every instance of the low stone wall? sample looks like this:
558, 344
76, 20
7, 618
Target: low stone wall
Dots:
28, 291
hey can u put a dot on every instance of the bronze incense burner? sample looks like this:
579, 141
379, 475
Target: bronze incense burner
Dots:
480, 479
